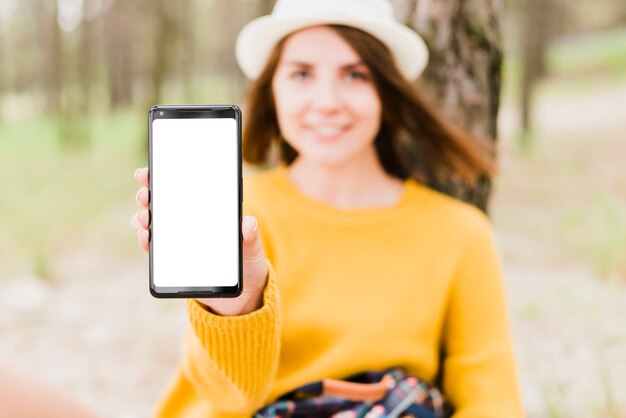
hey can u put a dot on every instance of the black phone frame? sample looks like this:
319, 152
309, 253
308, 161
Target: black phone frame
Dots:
188, 112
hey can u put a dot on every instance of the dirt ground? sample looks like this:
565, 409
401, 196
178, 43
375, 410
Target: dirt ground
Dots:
567, 315
99, 334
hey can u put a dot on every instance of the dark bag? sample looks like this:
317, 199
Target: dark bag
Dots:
390, 393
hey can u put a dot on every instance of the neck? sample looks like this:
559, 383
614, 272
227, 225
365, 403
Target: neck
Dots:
355, 184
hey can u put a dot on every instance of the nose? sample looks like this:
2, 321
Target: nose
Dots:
326, 97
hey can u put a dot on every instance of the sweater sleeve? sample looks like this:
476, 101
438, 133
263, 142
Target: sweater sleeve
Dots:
232, 361
479, 371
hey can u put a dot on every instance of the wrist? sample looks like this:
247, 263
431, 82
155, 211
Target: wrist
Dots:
242, 305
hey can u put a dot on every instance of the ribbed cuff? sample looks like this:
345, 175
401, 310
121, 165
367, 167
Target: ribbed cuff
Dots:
244, 347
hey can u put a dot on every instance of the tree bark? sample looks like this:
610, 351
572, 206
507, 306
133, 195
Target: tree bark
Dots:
87, 59
119, 56
166, 37
51, 44
463, 74
534, 38
188, 47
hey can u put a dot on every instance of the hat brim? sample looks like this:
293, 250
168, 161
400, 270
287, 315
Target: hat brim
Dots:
258, 38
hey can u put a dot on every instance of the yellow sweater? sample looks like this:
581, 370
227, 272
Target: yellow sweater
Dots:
352, 290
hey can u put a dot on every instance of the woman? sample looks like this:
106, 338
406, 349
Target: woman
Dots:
350, 263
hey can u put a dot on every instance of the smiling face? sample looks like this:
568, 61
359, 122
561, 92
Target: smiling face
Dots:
327, 105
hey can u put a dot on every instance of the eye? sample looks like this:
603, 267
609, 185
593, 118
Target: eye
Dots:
357, 75
300, 75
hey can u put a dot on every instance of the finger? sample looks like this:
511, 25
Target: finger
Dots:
141, 175
252, 247
248, 228
143, 237
134, 222
143, 197
143, 217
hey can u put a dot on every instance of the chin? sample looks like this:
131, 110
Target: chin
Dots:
329, 157
339, 152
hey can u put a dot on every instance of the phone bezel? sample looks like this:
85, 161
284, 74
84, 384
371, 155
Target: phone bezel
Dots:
189, 112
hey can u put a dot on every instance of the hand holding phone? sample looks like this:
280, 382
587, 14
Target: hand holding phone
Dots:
255, 267
195, 206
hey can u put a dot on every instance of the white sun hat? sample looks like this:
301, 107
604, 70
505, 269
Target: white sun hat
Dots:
258, 38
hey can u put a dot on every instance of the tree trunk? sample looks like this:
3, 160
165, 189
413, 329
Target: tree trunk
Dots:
188, 40
119, 55
231, 16
166, 38
534, 39
463, 74
51, 44
87, 59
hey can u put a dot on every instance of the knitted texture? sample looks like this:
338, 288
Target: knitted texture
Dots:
355, 290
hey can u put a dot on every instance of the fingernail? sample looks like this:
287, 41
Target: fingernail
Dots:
249, 223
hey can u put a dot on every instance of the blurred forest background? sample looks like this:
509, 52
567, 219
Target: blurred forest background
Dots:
77, 78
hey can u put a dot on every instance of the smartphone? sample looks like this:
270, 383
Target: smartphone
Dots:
194, 157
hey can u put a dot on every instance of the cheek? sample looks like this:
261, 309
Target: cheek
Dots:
368, 108
370, 102
287, 106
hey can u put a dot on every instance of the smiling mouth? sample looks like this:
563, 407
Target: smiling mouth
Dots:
327, 132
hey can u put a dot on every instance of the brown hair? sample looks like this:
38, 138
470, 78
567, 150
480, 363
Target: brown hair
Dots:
407, 121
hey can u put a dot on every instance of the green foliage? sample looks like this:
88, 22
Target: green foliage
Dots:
69, 179
53, 195
596, 232
526, 143
73, 132
611, 409
42, 266
553, 399
588, 54
589, 59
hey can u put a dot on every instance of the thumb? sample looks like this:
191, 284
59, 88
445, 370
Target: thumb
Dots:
252, 247
249, 228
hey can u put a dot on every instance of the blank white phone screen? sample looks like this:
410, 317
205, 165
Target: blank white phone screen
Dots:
195, 198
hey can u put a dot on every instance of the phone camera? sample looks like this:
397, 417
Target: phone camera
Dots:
161, 113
